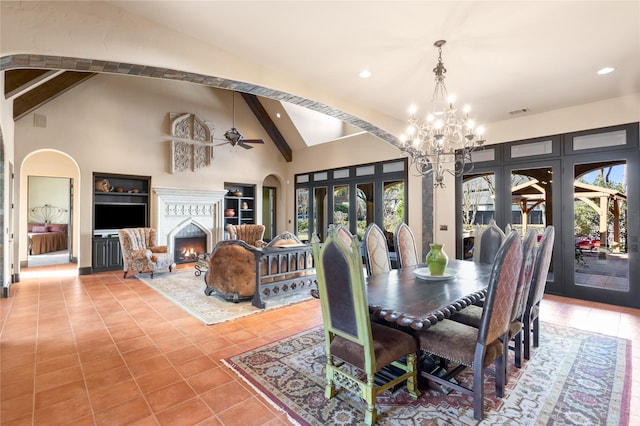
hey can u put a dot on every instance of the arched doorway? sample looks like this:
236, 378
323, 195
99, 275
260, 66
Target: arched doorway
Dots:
271, 194
48, 218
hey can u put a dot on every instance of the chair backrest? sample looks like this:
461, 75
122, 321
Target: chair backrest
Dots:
343, 298
526, 273
541, 267
376, 251
284, 239
250, 233
137, 238
343, 232
405, 246
487, 243
498, 306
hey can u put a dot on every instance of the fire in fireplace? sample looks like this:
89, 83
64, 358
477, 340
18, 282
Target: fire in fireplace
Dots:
188, 243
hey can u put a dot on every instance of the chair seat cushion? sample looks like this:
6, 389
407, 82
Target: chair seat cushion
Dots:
471, 315
456, 342
389, 344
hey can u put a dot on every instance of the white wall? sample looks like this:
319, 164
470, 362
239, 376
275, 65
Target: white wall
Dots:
7, 129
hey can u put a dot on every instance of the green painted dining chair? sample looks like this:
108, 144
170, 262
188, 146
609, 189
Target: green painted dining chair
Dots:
351, 339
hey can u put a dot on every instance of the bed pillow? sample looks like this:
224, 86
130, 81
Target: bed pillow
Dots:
39, 228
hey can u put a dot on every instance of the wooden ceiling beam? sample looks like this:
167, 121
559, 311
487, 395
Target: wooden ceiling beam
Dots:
20, 80
47, 91
269, 126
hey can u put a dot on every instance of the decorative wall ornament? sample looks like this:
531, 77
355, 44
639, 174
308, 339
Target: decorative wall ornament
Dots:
194, 150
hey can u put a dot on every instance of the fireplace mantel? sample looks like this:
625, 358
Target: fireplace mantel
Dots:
175, 208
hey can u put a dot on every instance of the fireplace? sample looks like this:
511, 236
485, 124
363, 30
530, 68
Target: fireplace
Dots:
188, 243
177, 209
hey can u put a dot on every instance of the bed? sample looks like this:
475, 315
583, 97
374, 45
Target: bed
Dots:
45, 231
45, 238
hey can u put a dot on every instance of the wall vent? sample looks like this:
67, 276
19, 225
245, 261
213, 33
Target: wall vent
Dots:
518, 111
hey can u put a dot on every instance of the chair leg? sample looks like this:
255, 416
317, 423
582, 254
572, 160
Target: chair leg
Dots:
412, 381
500, 380
527, 336
478, 391
370, 415
151, 274
125, 274
536, 332
518, 351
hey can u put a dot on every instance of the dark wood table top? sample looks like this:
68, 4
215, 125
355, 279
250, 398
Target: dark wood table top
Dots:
400, 297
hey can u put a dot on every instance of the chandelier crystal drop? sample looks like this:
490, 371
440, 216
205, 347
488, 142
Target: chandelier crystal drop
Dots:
444, 141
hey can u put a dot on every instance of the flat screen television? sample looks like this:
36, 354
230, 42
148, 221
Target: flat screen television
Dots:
109, 217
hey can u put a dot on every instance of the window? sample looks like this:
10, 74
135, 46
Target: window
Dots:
354, 196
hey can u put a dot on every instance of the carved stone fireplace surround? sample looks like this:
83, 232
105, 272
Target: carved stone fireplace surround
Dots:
176, 208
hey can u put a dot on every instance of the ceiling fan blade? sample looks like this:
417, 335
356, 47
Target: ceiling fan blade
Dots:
242, 144
223, 143
252, 141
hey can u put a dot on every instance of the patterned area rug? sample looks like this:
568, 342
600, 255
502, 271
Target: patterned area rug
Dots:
573, 378
186, 290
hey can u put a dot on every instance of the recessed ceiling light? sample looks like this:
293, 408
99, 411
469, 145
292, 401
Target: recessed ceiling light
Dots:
365, 74
278, 114
606, 70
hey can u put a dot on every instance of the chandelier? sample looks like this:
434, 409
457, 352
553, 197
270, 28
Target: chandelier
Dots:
445, 140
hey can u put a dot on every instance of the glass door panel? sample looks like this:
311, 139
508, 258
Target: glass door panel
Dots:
531, 203
393, 205
364, 205
478, 208
341, 205
320, 212
600, 227
302, 214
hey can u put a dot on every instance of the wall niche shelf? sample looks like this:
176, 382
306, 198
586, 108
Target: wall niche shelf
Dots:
239, 204
119, 201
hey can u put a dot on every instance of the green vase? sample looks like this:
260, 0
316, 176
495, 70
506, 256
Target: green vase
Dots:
437, 259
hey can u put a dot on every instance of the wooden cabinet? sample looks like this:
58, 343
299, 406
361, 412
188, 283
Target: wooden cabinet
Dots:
107, 254
239, 204
119, 201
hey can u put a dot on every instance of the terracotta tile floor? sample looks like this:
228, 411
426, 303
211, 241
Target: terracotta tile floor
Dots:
97, 349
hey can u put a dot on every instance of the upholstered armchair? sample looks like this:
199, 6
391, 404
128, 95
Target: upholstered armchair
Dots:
251, 234
140, 252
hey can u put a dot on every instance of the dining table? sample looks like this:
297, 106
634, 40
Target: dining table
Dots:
412, 297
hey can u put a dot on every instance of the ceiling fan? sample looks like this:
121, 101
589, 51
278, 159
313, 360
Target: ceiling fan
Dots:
233, 135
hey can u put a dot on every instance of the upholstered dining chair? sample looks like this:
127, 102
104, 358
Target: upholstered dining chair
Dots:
140, 252
487, 243
350, 337
531, 316
376, 250
478, 348
405, 244
472, 314
344, 233
250, 233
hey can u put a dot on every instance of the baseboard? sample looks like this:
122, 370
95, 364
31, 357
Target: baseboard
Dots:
87, 270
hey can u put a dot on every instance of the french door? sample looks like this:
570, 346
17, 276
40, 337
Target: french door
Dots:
604, 214
578, 183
